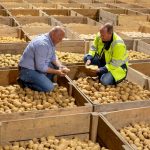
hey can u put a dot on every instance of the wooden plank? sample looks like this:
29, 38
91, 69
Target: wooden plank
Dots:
71, 19
39, 127
106, 16
128, 116
63, 12
24, 20
24, 12
136, 77
143, 46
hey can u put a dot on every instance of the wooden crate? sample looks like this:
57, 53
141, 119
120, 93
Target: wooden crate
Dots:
81, 71
97, 5
122, 17
25, 12
36, 1
9, 78
64, 126
108, 123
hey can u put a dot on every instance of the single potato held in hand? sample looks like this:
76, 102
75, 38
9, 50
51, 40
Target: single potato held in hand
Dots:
65, 70
92, 67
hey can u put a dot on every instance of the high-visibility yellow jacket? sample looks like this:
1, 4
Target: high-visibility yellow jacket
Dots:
115, 56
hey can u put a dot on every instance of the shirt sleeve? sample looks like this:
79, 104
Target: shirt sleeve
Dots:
41, 52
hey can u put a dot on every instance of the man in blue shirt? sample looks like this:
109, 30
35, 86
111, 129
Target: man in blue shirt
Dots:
39, 63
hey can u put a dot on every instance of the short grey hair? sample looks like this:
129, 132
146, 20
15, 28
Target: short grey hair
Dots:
109, 27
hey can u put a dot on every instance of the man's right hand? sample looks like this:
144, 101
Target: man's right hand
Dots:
60, 73
88, 62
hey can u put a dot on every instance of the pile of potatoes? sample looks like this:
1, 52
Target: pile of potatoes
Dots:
10, 40
15, 99
123, 92
52, 143
138, 135
136, 34
66, 57
9, 60
135, 55
87, 36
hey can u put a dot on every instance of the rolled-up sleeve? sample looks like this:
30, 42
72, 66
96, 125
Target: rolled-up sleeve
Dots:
41, 52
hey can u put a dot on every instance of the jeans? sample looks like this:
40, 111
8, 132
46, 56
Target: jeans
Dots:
94, 61
36, 80
107, 79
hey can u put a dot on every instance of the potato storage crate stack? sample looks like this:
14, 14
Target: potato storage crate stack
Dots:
131, 125
61, 132
18, 103
128, 94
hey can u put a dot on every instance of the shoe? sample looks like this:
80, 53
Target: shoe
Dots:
20, 82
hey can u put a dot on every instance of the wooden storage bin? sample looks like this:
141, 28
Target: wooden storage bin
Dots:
81, 71
64, 126
110, 122
8, 77
122, 17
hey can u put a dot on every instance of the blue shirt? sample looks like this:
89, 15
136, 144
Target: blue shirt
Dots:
38, 54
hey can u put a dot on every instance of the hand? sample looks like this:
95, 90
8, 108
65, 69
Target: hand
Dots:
65, 70
98, 70
60, 73
88, 62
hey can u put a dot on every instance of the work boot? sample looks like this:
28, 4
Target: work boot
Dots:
20, 82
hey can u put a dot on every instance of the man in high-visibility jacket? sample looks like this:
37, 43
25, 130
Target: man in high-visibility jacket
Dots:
108, 51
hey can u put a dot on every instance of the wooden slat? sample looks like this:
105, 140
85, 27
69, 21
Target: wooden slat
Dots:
39, 127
